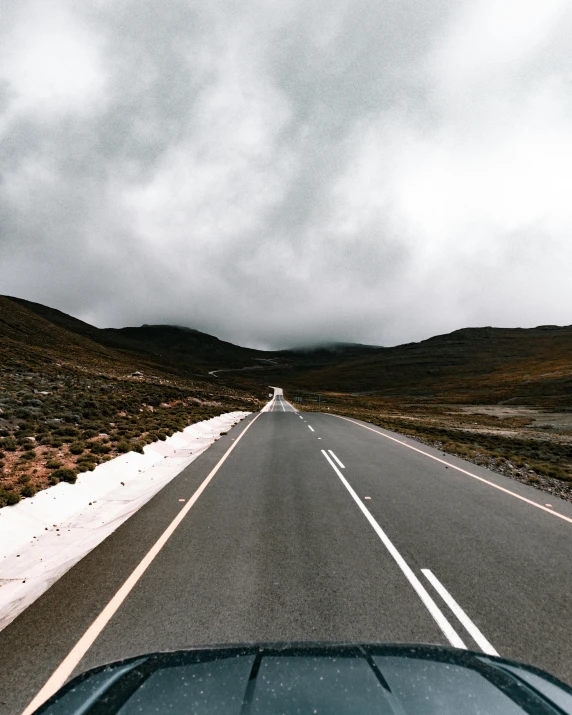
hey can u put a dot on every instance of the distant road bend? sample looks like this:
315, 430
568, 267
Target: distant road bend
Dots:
308, 526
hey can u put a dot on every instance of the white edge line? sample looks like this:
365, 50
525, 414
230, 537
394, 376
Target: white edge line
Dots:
310, 427
336, 458
430, 604
459, 469
471, 628
67, 666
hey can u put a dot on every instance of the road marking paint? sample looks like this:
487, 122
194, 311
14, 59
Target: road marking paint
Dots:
430, 604
310, 427
471, 628
67, 666
367, 497
459, 469
282, 403
336, 458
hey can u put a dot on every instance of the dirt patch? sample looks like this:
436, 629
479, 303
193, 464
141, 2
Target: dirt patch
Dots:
554, 422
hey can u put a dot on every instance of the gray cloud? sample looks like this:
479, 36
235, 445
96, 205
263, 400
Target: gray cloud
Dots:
281, 173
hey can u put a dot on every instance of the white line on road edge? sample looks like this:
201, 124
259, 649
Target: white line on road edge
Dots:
282, 403
430, 604
459, 469
473, 631
337, 460
66, 667
310, 427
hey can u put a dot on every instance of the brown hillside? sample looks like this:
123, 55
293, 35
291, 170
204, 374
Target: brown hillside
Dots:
468, 365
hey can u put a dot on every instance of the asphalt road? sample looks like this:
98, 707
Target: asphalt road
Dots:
279, 404
285, 543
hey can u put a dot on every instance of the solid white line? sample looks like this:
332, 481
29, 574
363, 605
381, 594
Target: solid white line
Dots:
282, 403
472, 629
337, 460
310, 427
453, 466
430, 604
67, 666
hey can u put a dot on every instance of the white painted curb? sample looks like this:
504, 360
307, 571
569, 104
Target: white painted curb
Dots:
43, 537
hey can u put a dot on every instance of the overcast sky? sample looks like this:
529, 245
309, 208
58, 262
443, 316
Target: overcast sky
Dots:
281, 172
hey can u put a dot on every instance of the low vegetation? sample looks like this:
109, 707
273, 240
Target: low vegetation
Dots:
66, 406
56, 424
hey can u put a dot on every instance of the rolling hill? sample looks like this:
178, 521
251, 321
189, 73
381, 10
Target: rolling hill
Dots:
468, 365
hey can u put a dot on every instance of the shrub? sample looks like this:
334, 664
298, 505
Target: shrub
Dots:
53, 464
99, 448
24, 479
29, 455
77, 448
557, 473
2, 454
86, 466
28, 491
7, 498
88, 457
123, 446
56, 442
9, 443
28, 445
65, 475
66, 432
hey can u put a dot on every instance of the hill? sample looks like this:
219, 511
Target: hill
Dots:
190, 351
164, 344
469, 365
71, 396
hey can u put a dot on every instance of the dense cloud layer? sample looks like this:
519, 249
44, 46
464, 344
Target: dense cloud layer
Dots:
279, 173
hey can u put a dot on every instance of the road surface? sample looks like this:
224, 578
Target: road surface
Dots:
279, 404
312, 527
